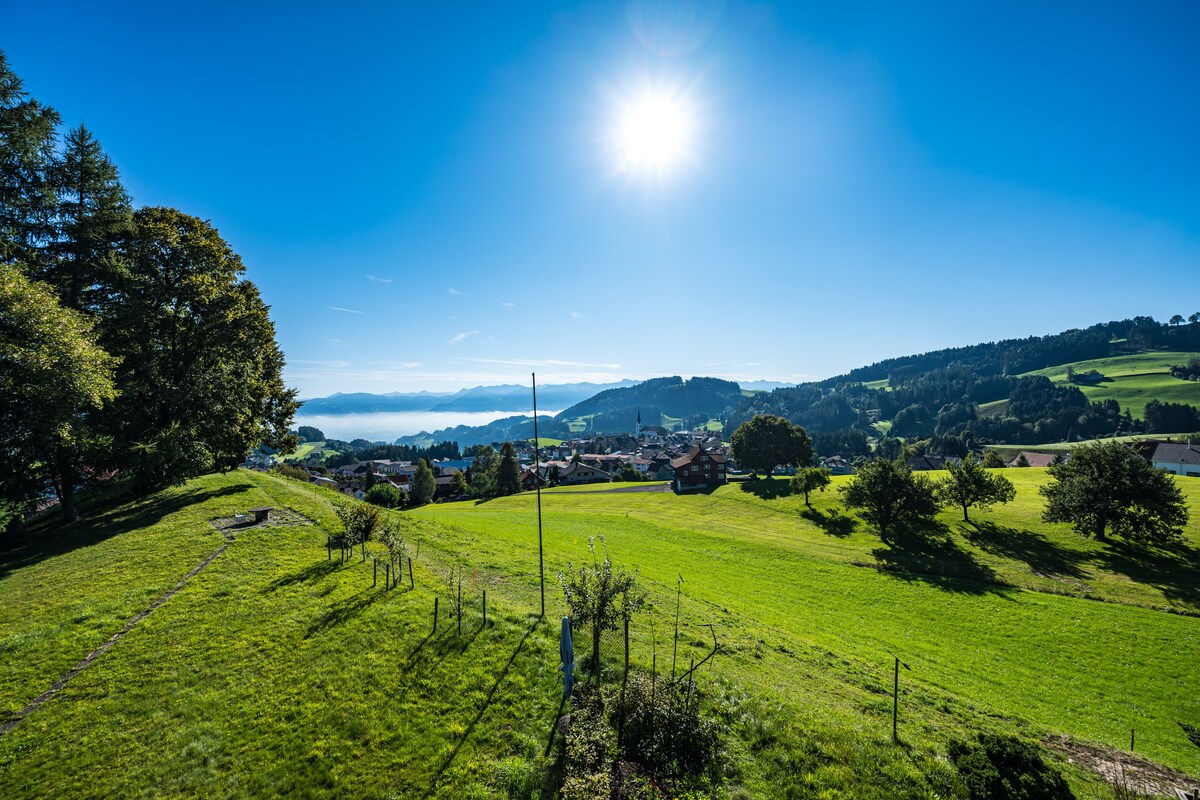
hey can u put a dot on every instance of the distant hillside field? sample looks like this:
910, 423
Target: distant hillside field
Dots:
278, 672
1134, 379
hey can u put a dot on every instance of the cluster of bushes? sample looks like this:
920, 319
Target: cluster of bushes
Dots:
654, 742
1189, 371
1000, 767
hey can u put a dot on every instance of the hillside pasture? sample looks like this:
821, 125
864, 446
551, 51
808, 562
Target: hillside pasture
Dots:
1133, 380
277, 671
1002, 614
306, 449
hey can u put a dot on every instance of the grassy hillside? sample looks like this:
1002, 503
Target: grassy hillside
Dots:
276, 671
305, 449
824, 589
1135, 379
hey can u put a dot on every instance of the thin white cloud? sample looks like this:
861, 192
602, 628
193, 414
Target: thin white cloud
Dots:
334, 341
537, 362
326, 364
509, 305
458, 337
345, 310
377, 279
454, 291
576, 315
412, 365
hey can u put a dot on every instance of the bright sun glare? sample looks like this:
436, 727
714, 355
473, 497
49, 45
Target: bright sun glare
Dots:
654, 133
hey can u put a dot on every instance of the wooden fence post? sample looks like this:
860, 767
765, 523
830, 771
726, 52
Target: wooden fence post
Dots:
411, 584
435, 614
485, 608
374, 572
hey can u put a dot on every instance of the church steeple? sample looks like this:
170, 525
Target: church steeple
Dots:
637, 429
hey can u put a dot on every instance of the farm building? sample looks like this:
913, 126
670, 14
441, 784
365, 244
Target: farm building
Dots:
699, 469
1178, 459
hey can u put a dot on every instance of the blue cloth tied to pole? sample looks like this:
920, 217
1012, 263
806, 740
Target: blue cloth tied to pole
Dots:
566, 651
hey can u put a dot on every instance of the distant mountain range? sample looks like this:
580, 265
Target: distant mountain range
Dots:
505, 397
615, 409
1008, 391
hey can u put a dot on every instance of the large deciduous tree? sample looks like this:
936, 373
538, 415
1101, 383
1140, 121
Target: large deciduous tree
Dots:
53, 375
767, 441
201, 378
1107, 488
888, 495
970, 484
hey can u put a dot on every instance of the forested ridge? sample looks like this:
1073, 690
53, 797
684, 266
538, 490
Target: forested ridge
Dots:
937, 396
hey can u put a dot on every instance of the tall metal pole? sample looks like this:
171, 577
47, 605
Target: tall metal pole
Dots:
896, 695
675, 651
537, 481
896, 700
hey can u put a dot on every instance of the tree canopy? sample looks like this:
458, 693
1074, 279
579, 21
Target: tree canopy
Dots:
508, 472
424, 485
307, 433
970, 484
1107, 488
767, 441
888, 495
201, 377
155, 301
811, 479
53, 375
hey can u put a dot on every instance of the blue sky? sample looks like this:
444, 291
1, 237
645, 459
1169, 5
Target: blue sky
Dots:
433, 195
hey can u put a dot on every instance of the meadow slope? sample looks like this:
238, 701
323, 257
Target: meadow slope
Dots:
277, 671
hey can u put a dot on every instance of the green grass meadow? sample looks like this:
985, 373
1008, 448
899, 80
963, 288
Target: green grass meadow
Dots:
278, 672
1135, 380
305, 449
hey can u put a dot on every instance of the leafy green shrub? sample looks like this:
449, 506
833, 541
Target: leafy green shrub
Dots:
664, 733
590, 746
1002, 767
359, 520
384, 494
291, 471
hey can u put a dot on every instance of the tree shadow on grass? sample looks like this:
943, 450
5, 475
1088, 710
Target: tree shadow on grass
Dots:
344, 611
928, 554
835, 523
47, 538
1043, 556
1175, 571
487, 702
765, 489
310, 574
446, 642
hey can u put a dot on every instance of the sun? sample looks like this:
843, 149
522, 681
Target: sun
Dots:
654, 132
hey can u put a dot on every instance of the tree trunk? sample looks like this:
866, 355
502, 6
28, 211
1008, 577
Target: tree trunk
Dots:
965, 519
15, 529
66, 497
64, 486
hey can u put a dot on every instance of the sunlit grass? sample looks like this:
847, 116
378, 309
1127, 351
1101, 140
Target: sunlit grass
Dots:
279, 672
